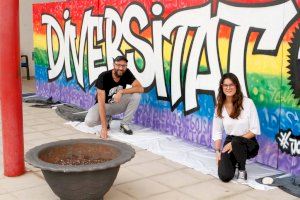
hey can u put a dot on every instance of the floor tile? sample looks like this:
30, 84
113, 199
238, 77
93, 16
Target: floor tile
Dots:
126, 175
36, 193
198, 175
150, 168
275, 194
30, 168
137, 148
57, 119
207, 190
239, 197
45, 127
60, 132
143, 156
27, 129
114, 194
76, 136
37, 142
172, 164
39, 174
172, 195
25, 181
34, 136
30, 122
8, 197
2, 189
142, 188
175, 179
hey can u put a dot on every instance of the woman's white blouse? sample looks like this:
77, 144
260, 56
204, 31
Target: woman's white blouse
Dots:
247, 121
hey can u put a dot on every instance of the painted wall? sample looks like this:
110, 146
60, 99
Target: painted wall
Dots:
26, 31
178, 50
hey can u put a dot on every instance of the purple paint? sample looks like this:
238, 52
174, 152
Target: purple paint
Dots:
268, 151
295, 165
193, 128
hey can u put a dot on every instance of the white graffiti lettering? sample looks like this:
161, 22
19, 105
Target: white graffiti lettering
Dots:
295, 146
284, 139
174, 29
288, 142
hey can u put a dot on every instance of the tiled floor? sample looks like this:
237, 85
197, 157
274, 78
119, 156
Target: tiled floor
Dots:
147, 176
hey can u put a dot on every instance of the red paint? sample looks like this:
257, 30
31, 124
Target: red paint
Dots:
257, 2
11, 104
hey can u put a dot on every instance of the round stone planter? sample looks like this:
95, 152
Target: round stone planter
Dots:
83, 181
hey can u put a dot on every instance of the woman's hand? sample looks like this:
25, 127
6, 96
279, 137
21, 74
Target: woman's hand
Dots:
227, 148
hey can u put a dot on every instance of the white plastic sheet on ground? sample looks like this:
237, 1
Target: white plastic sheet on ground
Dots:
194, 156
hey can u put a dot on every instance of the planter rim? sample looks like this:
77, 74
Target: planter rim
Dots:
126, 154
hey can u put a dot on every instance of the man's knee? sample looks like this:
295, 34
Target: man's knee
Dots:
89, 122
136, 97
92, 116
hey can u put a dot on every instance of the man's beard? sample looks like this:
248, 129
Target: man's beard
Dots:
117, 74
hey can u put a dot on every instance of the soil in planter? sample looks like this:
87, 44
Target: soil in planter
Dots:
82, 160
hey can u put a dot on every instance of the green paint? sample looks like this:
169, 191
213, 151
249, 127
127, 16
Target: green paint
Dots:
40, 57
265, 90
270, 91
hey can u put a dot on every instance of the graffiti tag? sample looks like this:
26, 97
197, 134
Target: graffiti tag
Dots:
288, 142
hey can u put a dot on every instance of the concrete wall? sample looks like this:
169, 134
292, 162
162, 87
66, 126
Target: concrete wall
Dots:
26, 31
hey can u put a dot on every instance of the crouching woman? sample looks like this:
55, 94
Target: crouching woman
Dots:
237, 116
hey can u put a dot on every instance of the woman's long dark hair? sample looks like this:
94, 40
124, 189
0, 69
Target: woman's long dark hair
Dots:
237, 99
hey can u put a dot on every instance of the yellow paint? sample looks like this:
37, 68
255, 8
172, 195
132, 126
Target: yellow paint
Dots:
39, 41
223, 46
265, 64
261, 64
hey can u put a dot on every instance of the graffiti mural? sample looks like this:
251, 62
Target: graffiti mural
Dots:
179, 50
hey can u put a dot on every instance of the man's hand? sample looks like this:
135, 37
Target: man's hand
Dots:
117, 97
103, 133
227, 148
218, 157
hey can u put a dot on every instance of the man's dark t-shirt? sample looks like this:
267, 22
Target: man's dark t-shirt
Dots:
106, 82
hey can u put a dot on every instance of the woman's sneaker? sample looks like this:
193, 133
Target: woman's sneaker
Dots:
236, 172
125, 129
242, 176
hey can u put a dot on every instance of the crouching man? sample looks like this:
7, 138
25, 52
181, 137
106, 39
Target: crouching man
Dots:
114, 99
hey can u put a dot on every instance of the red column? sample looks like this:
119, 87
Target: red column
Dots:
10, 87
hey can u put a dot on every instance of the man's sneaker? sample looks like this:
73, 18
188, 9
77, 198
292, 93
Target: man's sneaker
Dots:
108, 121
242, 176
125, 129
